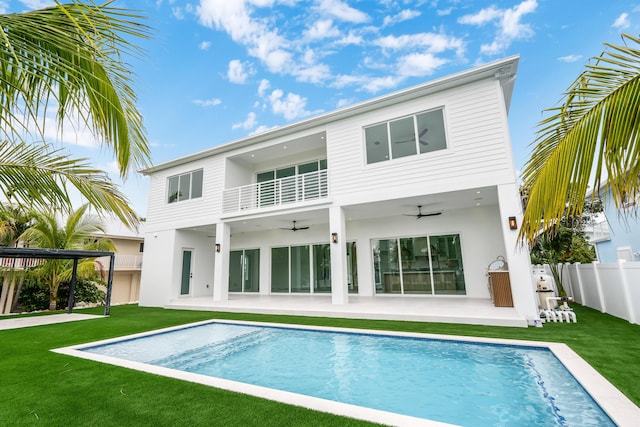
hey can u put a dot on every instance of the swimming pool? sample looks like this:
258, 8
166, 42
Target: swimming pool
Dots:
448, 381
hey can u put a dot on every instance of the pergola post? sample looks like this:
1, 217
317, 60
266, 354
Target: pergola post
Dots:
107, 303
72, 286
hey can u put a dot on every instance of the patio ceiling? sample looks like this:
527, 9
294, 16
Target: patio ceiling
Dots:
319, 215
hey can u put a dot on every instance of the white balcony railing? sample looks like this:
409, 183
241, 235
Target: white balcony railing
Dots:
292, 189
121, 262
20, 263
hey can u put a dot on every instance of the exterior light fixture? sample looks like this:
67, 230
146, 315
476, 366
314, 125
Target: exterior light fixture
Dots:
334, 237
217, 247
513, 224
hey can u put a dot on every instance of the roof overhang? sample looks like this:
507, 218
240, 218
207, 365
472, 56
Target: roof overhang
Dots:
503, 70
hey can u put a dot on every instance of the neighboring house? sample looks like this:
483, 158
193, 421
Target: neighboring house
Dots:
622, 238
329, 205
128, 261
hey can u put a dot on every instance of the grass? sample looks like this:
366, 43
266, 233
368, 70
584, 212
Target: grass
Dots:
44, 388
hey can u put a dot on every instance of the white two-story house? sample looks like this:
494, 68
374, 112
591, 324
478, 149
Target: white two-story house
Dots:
402, 199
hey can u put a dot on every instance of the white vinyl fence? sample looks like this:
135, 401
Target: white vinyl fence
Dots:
612, 288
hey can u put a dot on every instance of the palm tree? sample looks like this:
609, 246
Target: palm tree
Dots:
70, 57
13, 222
594, 132
76, 233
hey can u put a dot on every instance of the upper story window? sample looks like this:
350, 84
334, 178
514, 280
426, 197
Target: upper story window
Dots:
408, 136
185, 186
287, 171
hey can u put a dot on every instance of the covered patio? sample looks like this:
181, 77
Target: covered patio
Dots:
442, 309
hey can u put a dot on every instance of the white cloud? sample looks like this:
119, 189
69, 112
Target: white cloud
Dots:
368, 83
262, 128
238, 72
234, 17
402, 16
322, 29
4, 7
434, 42
264, 85
418, 65
313, 73
482, 17
622, 22
350, 39
444, 12
343, 102
570, 58
507, 21
342, 11
205, 45
249, 123
207, 102
291, 107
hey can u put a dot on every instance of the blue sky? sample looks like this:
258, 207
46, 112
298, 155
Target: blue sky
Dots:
219, 70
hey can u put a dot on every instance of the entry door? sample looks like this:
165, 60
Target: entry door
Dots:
185, 284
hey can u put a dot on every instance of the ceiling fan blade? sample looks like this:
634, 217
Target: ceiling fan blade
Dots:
428, 214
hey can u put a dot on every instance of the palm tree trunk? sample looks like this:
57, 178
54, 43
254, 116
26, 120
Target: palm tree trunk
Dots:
52, 301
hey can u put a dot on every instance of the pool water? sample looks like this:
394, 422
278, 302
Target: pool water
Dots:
458, 382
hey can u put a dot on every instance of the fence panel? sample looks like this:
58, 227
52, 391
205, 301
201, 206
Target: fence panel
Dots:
631, 271
590, 286
615, 301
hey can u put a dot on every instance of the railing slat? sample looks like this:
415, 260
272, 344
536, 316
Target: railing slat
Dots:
291, 189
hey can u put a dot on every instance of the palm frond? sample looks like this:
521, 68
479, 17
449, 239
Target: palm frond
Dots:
596, 129
36, 176
73, 56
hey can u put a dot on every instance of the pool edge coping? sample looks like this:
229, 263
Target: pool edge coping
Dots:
612, 401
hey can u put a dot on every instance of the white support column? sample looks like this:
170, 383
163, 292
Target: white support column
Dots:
339, 289
221, 263
522, 289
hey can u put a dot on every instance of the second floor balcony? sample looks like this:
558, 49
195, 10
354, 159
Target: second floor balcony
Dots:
277, 192
121, 262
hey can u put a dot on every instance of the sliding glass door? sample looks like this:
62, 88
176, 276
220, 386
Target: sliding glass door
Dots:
295, 268
419, 265
244, 270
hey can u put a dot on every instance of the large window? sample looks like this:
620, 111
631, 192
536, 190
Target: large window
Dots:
184, 187
419, 265
407, 136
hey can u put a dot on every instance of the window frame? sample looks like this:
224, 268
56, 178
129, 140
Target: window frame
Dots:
418, 150
176, 182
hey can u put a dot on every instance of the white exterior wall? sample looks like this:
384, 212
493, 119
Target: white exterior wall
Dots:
477, 155
188, 213
158, 268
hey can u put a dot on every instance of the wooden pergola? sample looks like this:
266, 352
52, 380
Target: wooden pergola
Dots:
75, 255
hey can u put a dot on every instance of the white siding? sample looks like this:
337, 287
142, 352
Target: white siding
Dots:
478, 153
188, 213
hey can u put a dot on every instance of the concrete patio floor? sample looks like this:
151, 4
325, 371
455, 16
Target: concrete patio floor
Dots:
442, 309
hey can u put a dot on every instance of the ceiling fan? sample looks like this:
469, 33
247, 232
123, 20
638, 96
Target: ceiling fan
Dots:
294, 228
422, 215
420, 135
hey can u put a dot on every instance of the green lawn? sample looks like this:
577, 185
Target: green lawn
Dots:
39, 387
